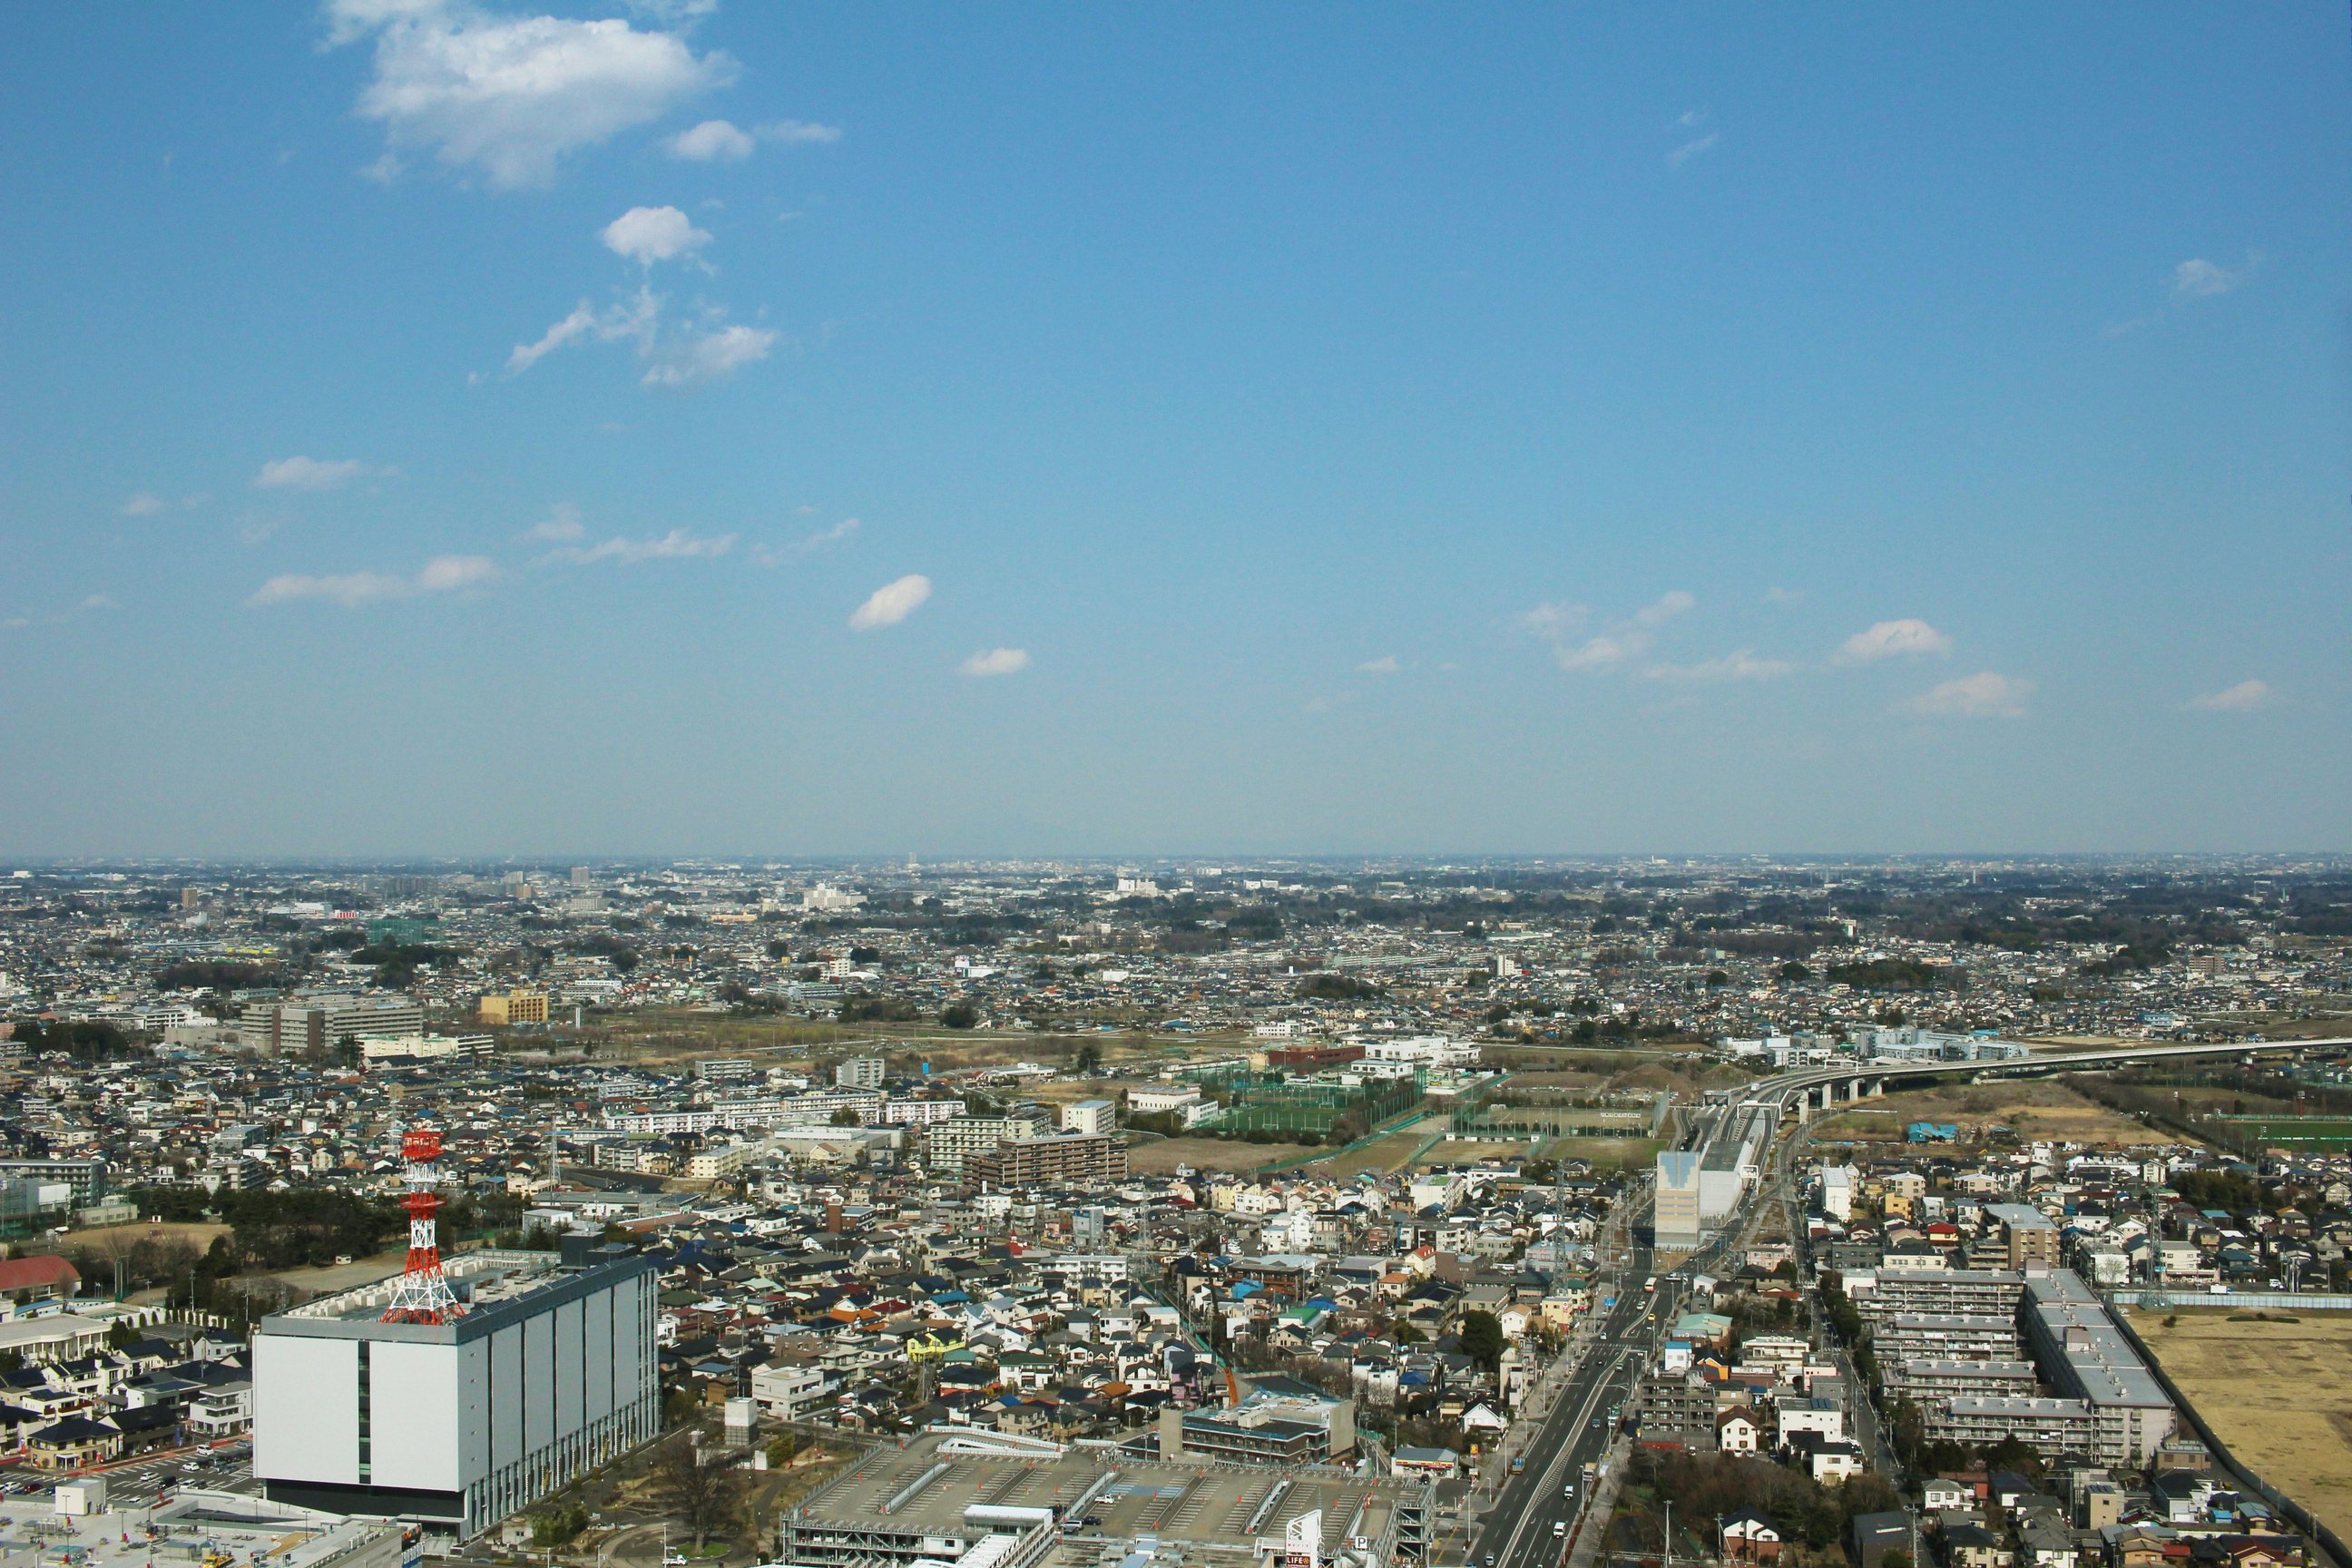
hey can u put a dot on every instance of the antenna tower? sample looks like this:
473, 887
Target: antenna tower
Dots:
422, 1295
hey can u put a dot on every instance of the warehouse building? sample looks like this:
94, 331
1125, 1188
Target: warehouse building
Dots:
976, 1500
549, 1370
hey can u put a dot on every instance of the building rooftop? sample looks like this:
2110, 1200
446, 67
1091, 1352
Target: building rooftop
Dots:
924, 1489
244, 1528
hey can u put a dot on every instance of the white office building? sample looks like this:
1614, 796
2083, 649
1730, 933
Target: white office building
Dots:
550, 1371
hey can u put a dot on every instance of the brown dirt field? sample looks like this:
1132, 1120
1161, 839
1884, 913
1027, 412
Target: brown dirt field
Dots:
2032, 1109
2279, 1393
1160, 1157
102, 1238
1463, 1151
1385, 1153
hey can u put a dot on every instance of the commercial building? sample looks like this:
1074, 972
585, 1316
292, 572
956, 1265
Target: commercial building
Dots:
320, 1020
1676, 1217
980, 1500
550, 1371
374, 1048
1063, 1159
511, 1007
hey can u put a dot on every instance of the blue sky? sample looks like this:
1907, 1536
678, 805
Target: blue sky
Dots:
433, 427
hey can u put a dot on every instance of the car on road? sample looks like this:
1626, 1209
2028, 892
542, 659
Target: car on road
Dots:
1559, 1527
1568, 1490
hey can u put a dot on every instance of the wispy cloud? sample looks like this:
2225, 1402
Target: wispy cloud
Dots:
678, 544
1619, 642
2198, 278
2243, 697
1385, 664
1906, 638
146, 504
561, 526
892, 603
442, 574
1985, 695
995, 661
721, 139
633, 319
777, 555
510, 97
711, 356
314, 473
1743, 665
1695, 147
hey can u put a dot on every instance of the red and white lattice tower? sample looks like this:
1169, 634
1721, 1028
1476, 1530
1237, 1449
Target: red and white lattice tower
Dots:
422, 1294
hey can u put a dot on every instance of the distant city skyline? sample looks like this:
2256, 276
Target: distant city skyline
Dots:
450, 428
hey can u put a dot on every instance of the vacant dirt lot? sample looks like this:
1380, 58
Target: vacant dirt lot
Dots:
1160, 1157
2032, 1109
2279, 1393
106, 1240
1383, 1153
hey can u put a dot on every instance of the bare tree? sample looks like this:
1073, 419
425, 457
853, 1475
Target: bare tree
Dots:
703, 1498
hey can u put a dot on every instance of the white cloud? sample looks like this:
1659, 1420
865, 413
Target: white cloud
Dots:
1691, 149
451, 574
713, 356
1603, 652
313, 473
561, 525
98, 602
1742, 665
351, 589
718, 139
771, 555
146, 504
511, 97
2198, 278
2243, 697
1615, 644
633, 319
711, 139
1905, 638
1984, 695
799, 132
996, 661
1666, 608
678, 544
1385, 664
1552, 622
892, 603
647, 235
442, 574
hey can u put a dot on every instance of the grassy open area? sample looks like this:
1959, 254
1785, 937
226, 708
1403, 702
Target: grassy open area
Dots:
1160, 1156
2031, 1108
2279, 1393
1606, 1153
1384, 1154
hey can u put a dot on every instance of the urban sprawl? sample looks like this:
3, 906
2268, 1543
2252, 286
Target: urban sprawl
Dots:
1490, 1215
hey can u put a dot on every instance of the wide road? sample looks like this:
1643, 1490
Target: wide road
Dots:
1518, 1531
